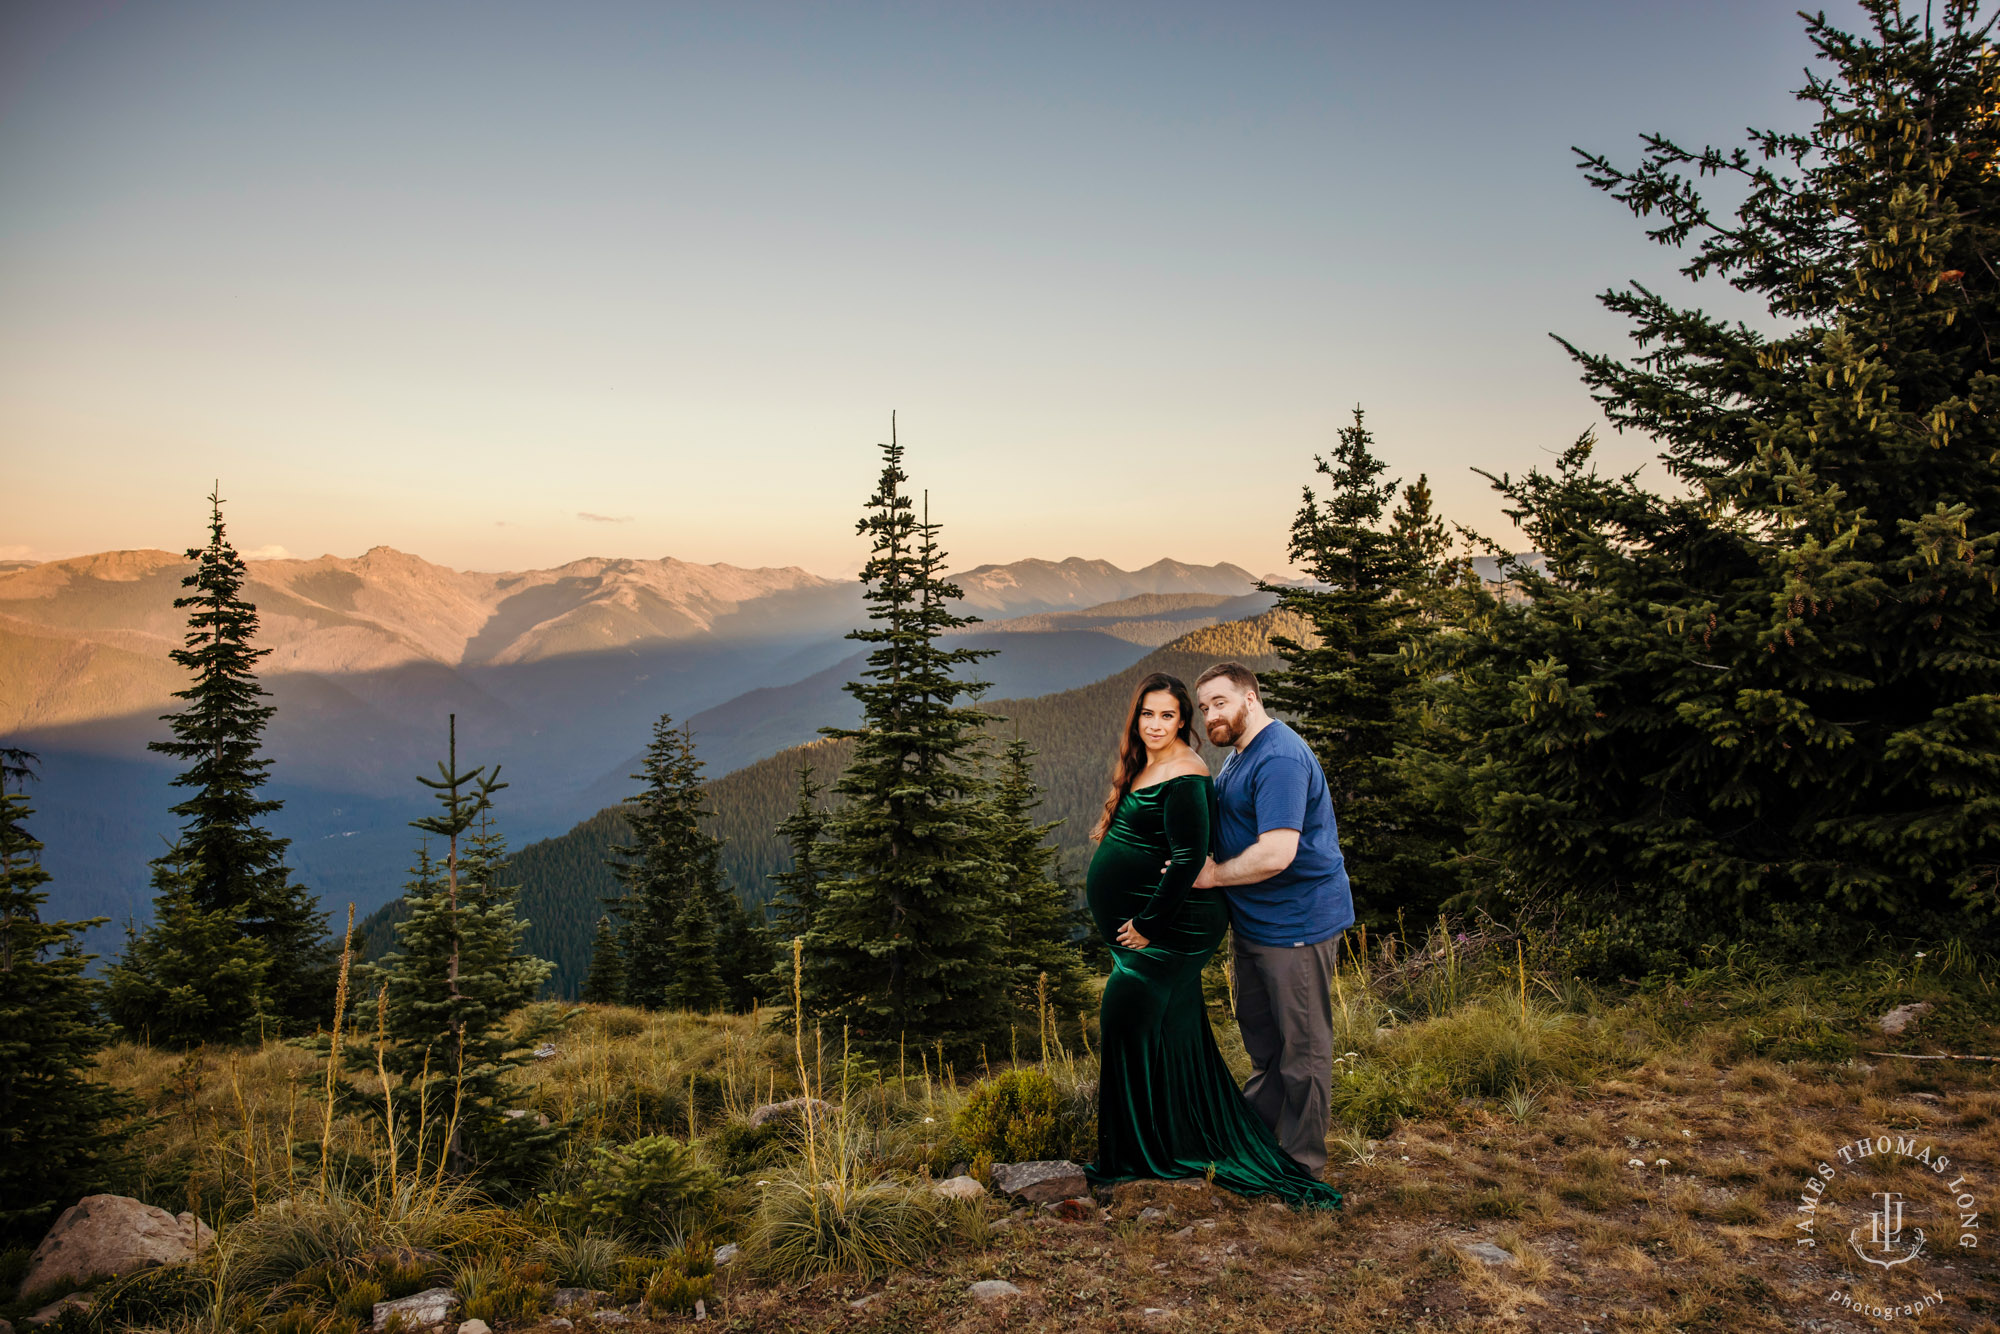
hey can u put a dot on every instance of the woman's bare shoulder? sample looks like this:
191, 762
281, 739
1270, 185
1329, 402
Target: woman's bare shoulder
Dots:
1190, 763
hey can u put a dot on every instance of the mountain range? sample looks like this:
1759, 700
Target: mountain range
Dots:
556, 675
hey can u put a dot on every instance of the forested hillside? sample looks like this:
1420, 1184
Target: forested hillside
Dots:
564, 880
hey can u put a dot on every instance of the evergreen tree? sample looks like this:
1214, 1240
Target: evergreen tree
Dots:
672, 876
1038, 913
1353, 695
605, 983
906, 942
747, 954
191, 976
800, 888
457, 974
228, 866
55, 1143
1771, 702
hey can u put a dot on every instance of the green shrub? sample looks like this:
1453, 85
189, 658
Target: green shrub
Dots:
686, 1278
358, 1302
151, 1296
651, 1187
1021, 1115
808, 1228
743, 1148
493, 1290
583, 1259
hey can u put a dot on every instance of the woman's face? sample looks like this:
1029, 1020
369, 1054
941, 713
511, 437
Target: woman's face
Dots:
1159, 719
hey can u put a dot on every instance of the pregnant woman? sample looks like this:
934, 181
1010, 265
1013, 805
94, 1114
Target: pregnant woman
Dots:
1168, 1106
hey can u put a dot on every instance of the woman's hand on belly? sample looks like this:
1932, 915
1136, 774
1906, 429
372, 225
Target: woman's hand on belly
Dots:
1130, 938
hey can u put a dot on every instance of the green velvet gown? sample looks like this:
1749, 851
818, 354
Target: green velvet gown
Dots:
1167, 1105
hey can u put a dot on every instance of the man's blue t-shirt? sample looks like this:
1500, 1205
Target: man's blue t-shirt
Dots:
1275, 782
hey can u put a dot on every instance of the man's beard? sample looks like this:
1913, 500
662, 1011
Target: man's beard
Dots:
1231, 727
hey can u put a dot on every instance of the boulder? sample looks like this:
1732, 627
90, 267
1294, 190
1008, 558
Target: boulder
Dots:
475, 1326
1488, 1254
568, 1297
423, 1310
101, 1235
1897, 1020
79, 1301
959, 1188
1041, 1182
771, 1111
993, 1289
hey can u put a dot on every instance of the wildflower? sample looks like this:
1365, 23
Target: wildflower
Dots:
1920, 954
930, 1120
1634, 1162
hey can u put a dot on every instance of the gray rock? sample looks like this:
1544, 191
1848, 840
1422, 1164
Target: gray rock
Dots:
1185, 1234
611, 1317
80, 1301
727, 1254
770, 1111
959, 1188
1041, 1182
424, 1310
475, 1326
548, 1051
861, 1303
560, 1322
959, 1169
102, 1235
1902, 1017
993, 1289
1152, 1215
1488, 1254
568, 1297
520, 1113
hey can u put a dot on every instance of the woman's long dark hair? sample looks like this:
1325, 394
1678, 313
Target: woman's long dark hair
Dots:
1131, 757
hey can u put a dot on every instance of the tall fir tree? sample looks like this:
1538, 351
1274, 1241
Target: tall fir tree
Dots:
906, 943
1036, 943
1353, 696
1769, 704
674, 899
457, 973
57, 1137
191, 976
801, 887
227, 867
604, 984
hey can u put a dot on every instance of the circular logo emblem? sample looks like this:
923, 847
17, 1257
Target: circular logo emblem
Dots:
1888, 1214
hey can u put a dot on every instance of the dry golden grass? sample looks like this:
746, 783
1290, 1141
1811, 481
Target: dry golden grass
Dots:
1525, 1108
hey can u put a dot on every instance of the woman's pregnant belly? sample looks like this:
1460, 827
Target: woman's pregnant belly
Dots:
1120, 883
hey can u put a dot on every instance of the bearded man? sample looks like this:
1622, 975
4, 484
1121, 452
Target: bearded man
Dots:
1277, 859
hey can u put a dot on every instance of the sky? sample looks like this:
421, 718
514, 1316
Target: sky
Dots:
506, 285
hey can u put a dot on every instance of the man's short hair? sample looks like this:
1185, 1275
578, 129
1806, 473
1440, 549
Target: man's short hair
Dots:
1239, 676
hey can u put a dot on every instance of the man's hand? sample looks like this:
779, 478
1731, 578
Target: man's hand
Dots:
1207, 880
1131, 939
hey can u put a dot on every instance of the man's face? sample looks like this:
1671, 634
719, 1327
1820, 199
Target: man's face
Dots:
1225, 710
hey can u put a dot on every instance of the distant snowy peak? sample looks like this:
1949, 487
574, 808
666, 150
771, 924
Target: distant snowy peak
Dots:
1026, 586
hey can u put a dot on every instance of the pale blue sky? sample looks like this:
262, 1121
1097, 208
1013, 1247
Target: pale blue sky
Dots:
451, 276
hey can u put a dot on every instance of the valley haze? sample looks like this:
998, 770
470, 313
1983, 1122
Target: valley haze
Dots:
556, 675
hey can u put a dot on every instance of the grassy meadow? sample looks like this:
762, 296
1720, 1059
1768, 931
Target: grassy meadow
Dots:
1634, 1152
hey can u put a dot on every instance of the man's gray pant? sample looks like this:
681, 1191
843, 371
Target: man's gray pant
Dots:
1285, 1009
